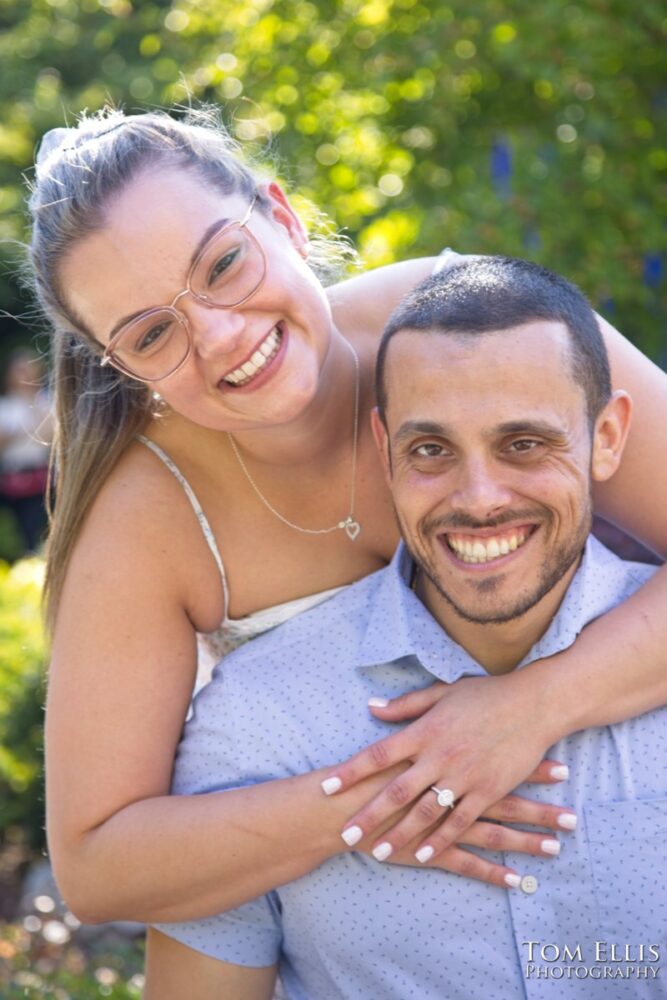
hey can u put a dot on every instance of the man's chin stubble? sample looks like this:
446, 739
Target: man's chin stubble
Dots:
517, 610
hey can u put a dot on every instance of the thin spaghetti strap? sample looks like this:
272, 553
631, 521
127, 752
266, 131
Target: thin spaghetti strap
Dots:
196, 506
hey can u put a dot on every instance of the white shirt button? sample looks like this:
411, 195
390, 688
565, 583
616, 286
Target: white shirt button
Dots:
529, 884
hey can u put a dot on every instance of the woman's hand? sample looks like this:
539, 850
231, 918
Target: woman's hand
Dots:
480, 738
493, 836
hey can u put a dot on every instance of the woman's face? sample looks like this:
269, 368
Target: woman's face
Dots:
141, 258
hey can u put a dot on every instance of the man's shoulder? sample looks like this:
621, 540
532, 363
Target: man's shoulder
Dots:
621, 577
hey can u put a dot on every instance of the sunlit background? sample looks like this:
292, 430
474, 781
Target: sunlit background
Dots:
532, 127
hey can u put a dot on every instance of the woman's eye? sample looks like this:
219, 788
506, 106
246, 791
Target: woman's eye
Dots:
222, 265
151, 337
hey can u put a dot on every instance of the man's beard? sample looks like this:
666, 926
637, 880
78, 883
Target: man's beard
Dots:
558, 564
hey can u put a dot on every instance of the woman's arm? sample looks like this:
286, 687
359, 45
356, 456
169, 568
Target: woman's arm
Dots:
174, 971
634, 498
120, 683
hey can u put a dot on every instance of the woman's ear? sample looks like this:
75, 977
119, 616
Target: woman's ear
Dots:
281, 212
609, 436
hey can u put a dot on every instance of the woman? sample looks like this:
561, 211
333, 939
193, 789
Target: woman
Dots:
246, 395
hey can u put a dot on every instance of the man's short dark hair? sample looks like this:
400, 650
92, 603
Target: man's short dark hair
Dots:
485, 294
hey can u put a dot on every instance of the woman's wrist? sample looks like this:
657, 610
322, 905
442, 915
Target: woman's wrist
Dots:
545, 687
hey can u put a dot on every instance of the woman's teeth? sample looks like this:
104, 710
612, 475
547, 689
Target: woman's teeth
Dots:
481, 550
263, 354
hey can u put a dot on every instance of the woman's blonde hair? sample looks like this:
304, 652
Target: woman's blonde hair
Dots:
98, 410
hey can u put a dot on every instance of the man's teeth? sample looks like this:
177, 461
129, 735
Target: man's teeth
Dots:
481, 550
264, 353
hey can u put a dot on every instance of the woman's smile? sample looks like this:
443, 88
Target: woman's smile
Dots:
260, 364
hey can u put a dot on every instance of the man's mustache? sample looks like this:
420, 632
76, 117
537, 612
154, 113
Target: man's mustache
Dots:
461, 521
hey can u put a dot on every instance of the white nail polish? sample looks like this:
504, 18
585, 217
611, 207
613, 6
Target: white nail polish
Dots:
377, 702
352, 835
560, 773
513, 881
568, 821
551, 846
424, 854
331, 785
382, 851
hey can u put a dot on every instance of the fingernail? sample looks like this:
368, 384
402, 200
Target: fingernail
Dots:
560, 773
352, 835
331, 785
382, 851
424, 854
550, 846
568, 821
513, 881
377, 702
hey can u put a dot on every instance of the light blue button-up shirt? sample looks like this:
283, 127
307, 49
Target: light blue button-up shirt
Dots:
296, 699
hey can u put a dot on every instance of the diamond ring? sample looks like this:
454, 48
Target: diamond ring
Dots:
445, 796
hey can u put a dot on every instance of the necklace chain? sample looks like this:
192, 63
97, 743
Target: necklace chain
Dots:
349, 525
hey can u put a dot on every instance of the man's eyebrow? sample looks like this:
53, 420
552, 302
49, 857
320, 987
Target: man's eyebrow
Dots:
531, 427
412, 427
201, 243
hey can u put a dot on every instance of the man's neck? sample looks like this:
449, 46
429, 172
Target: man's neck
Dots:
498, 647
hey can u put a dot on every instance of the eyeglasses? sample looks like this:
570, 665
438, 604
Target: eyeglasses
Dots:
227, 272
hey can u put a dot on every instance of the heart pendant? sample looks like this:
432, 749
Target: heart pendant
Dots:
352, 529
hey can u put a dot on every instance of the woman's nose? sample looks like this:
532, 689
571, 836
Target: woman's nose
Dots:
214, 331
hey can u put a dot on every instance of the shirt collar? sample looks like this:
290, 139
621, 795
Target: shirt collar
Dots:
399, 625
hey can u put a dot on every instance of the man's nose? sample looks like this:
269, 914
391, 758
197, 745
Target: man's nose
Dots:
480, 490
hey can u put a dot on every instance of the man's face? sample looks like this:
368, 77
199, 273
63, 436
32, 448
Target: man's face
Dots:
489, 454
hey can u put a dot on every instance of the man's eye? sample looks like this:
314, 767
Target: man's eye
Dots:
429, 450
524, 445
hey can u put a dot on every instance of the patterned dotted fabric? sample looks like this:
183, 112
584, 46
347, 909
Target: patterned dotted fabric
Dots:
296, 699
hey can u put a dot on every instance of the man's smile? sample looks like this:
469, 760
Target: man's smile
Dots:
489, 546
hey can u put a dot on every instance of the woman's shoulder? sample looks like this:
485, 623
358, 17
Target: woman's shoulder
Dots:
142, 520
365, 301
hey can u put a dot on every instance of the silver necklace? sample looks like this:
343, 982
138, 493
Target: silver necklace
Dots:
349, 525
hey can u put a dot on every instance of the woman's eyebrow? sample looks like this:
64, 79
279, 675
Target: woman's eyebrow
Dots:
201, 243
206, 236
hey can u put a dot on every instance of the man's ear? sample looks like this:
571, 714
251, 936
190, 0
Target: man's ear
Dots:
282, 212
609, 436
382, 442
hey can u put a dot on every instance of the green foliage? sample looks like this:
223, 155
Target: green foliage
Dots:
532, 128
11, 543
22, 659
43, 961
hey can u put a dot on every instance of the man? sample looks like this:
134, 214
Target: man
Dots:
495, 416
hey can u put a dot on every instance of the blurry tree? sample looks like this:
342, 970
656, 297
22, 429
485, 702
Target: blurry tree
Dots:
531, 127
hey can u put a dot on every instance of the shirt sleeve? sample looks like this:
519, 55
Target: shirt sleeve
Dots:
250, 935
208, 760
